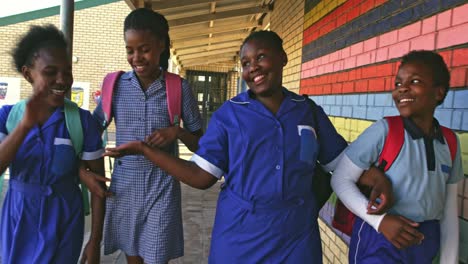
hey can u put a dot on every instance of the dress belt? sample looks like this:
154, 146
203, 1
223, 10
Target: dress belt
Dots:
42, 190
254, 206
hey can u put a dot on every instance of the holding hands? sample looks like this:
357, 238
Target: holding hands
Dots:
400, 231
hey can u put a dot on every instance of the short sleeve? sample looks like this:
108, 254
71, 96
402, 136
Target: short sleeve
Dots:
212, 155
190, 113
4, 111
365, 150
92, 142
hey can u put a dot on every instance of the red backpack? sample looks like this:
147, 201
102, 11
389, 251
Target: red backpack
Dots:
343, 219
173, 91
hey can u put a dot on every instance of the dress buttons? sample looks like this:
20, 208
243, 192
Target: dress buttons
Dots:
278, 167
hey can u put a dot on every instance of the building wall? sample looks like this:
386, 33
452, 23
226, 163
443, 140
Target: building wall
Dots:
350, 54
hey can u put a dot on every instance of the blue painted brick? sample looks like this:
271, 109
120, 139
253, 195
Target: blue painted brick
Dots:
347, 111
461, 99
390, 111
390, 7
383, 99
418, 11
326, 109
354, 99
431, 6
367, 32
374, 113
448, 102
371, 99
335, 110
451, 3
329, 100
339, 99
317, 99
359, 112
457, 118
382, 26
464, 125
363, 99
444, 116
402, 18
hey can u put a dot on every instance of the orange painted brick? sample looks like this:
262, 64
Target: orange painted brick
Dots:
327, 89
458, 77
348, 87
376, 84
369, 72
389, 83
460, 57
361, 86
447, 55
337, 88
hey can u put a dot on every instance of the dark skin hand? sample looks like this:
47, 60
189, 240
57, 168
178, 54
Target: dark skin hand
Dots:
376, 185
94, 182
400, 231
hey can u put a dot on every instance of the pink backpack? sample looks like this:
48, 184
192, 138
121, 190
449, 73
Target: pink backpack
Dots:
173, 91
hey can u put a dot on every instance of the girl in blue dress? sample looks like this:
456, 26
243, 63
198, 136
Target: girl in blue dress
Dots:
42, 216
266, 210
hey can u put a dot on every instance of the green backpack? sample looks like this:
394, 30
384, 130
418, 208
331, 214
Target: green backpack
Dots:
73, 122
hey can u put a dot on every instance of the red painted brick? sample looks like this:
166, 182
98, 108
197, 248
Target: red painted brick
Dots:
369, 72
376, 84
352, 14
348, 87
460, 57
382, 55
447, 55
341, 20
425, 42
444, 19
357, 48
452, 36
458, 77
429, 25
366, 6
398, 50
363, 59
337, 88
379, 2
460, 15
361, 86
388, 38
370, 44
384, 70
410, 31
342, 76
327, 89
389, 83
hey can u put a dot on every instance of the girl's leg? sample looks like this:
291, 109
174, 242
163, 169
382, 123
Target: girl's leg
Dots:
134, 259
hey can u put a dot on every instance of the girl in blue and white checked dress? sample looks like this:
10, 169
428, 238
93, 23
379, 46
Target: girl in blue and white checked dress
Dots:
143, 218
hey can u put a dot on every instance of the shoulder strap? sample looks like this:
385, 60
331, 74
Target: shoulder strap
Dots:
451, 140
173, 91
108, 85
15, 115
73, 122
393, 142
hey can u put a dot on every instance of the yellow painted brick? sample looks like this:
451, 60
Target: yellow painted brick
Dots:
328, 253
341, 245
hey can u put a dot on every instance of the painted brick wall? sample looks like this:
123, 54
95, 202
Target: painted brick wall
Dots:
350, 58
287, 20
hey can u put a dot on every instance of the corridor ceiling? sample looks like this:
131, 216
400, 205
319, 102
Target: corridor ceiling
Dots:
205, 32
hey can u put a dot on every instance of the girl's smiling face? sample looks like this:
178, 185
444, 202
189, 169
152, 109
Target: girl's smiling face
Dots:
415, 94
143, 53
262, 67
50, 73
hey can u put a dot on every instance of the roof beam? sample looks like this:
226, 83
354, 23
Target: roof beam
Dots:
219, 15
161, 5
208, 60
181, 44
190, 34
208, 53
181, 52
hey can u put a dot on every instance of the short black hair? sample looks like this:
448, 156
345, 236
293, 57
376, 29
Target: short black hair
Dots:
147, 19
269, 36
38, 37
431, 59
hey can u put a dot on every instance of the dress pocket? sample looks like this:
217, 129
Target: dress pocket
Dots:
309, 146
64, 161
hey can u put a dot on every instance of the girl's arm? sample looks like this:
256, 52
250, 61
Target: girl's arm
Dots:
184, 171
92, 251
449, 229
163, 137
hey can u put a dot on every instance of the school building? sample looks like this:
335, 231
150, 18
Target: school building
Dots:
343, 53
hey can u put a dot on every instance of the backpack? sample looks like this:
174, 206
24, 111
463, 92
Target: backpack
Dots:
72, 119
173, 91
343, 219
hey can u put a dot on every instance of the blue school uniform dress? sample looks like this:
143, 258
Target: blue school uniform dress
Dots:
42, 214
266, 211
144, 218
419, 176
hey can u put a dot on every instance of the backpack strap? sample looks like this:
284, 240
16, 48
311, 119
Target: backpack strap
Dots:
174, 94
451, 140
393, 142
108, 85
15, 115
74, 127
